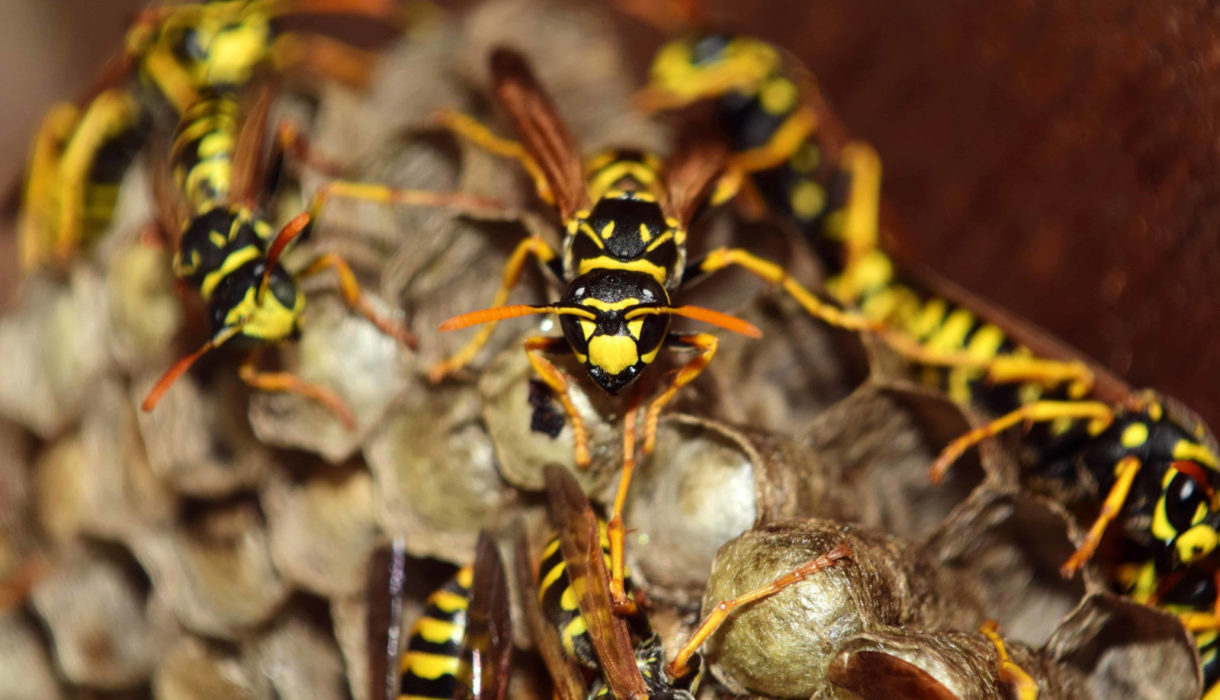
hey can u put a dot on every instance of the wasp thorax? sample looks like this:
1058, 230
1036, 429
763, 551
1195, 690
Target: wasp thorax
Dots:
621, 337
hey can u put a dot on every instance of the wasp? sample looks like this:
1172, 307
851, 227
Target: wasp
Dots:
1113, 444
170, 55
573, 620
625, 217
465, 626
230, 254
1191, 594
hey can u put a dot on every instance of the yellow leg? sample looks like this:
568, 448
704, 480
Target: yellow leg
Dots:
285, 381
1037, 412
533, 245
726, 257
352, 294
706, 345
470, 129
679, 667
623, 603
373, 192
860, 226
1125, 472
1017, 369
1010, 672
780, 147
534, 348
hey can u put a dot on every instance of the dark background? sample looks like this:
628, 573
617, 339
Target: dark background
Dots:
1057, 158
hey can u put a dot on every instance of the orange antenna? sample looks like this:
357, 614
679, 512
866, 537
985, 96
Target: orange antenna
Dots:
699, 313
499, 313
287, 235
181, 366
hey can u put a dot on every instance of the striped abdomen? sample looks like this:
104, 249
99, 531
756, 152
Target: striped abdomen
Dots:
204, 148
430, 664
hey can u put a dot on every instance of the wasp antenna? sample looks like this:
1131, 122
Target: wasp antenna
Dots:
291, 231
181, 366
699, 313
499, 313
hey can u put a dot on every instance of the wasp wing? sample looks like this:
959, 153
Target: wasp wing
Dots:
488, 644
580, 541
542, 132
690, 175
387, 576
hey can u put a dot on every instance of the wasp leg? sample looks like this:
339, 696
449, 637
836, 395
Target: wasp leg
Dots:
679, 667
534, 245
470, 129
288, 382
1125, 473
352, 294
623, 604
860, 230
706, 345
779, 148
1037, 412
534, 348
1010, 672
373, 192
722, 258
324, 57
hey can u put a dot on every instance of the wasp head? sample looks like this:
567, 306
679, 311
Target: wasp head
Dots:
619, 336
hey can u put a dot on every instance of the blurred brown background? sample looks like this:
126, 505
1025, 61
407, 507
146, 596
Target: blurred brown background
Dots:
1059, 159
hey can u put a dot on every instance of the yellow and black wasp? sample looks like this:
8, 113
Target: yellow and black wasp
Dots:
1193, 594
231, 254
625, 217
1149, 470
459, 647
573, 620
170, 56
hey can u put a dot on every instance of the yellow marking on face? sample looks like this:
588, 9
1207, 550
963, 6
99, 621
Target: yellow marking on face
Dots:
231, 262
270, 321
639, 265
649, 357
807, 199
595, 303
437, 631
217, 239
1196, 542
588, 328
635, 328
1155, 411
608, 230
430, 666
1184, 449
1134, 435
778, 95
806, 158
233, 54
613, 353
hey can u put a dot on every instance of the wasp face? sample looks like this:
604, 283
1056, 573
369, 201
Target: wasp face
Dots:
235, 303
1187, 510
223, 42
620, 341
